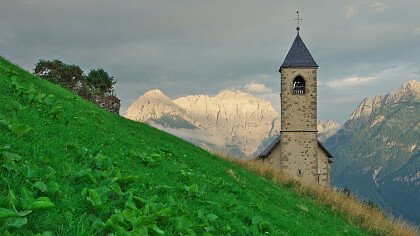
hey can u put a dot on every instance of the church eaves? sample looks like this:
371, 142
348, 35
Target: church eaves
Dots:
298, 55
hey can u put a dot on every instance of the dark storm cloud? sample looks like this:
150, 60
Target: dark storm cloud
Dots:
192, 47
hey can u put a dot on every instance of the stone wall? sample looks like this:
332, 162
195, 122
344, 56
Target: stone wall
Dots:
299, 155
298, 111
323, 170
323, 164
299, 144
323, 167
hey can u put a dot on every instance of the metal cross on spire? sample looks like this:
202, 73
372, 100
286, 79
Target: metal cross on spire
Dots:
298, 19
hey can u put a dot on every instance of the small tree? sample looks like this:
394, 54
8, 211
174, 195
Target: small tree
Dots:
95, 87
70, 76
100, 80
49, 70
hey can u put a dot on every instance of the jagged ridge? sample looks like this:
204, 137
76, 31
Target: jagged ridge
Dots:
238, 118
368, 106
377, 153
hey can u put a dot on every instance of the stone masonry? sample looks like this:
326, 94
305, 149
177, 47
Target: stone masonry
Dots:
298, 143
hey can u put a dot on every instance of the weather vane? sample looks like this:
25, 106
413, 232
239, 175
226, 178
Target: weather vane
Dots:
298, 19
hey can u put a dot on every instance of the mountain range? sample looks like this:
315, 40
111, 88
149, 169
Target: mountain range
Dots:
377, 152
232, 122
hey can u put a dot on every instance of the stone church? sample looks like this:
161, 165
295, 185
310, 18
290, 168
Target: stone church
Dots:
297, 151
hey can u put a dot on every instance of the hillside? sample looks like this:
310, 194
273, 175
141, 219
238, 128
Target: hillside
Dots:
377, 153
231, 122
71, 168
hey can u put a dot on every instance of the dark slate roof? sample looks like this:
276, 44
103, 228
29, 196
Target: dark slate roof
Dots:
326, 151
298, 55
267, 151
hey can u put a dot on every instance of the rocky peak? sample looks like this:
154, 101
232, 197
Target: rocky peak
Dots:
234, 94
360, 115
409, 88
327, 129
368, 106
153, 105
324, 125
239, 117
154, 94
412, 86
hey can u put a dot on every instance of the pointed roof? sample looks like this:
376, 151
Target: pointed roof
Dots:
298, 55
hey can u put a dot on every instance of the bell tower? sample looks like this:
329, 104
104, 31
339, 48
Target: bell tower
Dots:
298, 141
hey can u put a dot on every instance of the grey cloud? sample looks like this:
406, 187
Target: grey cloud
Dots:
195, 47
194, 135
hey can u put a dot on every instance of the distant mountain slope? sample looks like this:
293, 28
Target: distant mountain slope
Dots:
377, 151
154, 106
242, 119
68, 167
231, 122
327, 129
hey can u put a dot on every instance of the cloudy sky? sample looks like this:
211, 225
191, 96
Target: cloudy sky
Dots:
183, 47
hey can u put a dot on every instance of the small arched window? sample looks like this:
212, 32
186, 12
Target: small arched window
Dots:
298, 85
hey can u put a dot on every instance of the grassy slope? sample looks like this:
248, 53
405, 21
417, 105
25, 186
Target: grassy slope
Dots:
59, 137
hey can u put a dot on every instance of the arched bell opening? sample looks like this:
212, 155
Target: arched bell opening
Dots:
298, 85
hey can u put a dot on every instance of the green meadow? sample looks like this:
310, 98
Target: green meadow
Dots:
68, 167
